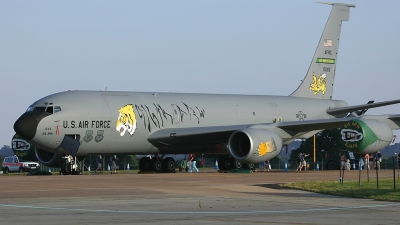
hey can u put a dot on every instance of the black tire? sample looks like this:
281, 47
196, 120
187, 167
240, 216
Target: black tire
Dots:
141, 164
145, 164
66, 169
158, 165
235, 164
248, 166
221, 163
169, 165
21, 170
227, 163
6, 170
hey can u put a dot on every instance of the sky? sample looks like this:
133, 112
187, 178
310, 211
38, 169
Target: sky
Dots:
223, 47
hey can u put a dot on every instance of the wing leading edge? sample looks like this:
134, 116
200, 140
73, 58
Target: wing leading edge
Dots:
220, 134
349, 109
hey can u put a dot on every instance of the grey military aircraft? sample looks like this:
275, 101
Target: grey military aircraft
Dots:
67, 126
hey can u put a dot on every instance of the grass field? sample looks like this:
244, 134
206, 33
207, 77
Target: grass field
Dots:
353, 189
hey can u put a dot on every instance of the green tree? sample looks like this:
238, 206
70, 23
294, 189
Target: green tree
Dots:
330, 141
6, 151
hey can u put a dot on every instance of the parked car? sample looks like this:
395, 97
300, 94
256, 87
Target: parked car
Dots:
14, 164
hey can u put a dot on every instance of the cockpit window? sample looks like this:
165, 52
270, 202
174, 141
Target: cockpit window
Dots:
50, 109
39, 109
57, 109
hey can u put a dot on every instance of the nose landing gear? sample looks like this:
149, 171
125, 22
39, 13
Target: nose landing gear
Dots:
70, 166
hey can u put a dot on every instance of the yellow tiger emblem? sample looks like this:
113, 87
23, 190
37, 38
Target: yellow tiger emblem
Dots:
126, 120
266, 147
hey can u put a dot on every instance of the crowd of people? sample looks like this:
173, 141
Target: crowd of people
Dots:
376, 161
369, 161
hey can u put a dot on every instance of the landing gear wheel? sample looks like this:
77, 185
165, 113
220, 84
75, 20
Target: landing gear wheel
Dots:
66, 169
235, 164
169, 165
141, 164
248, 166
221, 163
144, 164
158, 165
227, 163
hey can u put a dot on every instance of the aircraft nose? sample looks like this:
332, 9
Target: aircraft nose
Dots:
26, 125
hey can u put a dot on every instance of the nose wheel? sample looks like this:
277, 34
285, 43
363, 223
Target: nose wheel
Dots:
70, 166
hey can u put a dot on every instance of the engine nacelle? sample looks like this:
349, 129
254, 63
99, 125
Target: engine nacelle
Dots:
366, 135
48, 158
254, 145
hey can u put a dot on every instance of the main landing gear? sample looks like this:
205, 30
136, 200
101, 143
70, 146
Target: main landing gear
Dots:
70, 165
157, 164
230, 163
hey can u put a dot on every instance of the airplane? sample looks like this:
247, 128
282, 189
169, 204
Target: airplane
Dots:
67, 126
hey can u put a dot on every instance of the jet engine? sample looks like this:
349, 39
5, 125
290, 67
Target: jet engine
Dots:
253, 145
48, 158
366, 135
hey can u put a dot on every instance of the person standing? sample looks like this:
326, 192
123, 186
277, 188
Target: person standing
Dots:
304, 161
193, 163
366, 158
377, 160
113, 159
299, 162
99, 162
189, 163
343, 161
268, 165
398, 160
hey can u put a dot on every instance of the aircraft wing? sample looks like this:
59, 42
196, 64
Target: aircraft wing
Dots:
310, 125
193, 135
221, 134
349, 109
394, 117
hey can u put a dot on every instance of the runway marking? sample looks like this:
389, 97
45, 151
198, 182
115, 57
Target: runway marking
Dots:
200, 212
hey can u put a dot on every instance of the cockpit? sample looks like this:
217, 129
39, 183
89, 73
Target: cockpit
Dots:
48, 107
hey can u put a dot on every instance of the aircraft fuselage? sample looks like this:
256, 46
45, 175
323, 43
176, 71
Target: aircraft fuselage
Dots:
103, 123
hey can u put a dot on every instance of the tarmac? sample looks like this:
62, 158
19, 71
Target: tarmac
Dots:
207, 197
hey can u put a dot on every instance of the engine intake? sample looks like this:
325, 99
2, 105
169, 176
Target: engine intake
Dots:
48, 158
253, 145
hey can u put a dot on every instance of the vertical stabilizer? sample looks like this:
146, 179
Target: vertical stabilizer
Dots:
319, 80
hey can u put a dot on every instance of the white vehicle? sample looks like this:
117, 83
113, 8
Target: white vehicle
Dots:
14, 164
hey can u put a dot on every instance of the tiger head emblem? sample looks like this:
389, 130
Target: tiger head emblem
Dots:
126, 120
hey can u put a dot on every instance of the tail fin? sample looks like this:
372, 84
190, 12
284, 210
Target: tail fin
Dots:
318, 82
